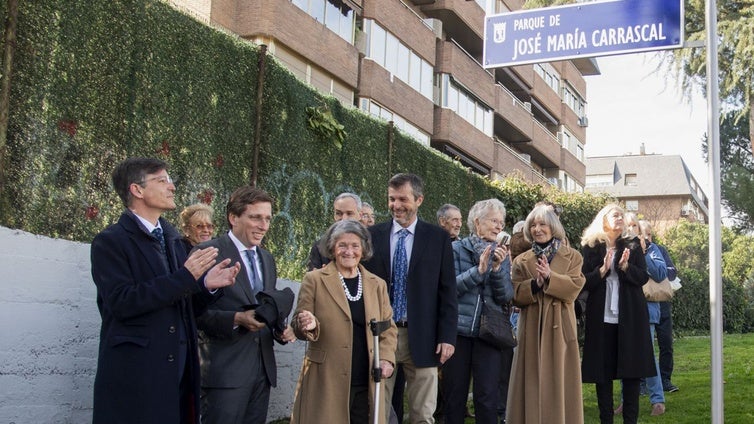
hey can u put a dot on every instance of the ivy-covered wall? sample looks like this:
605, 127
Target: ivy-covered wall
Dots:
97, 81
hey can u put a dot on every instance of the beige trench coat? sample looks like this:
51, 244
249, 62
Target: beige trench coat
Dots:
545, 383
324, 384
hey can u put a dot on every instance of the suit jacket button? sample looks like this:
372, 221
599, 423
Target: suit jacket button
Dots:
171, 330
171, 358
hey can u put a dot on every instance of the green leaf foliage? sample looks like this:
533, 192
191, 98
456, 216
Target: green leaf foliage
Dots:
688, 245
138, 78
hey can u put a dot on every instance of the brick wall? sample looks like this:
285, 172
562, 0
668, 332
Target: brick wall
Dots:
50, 334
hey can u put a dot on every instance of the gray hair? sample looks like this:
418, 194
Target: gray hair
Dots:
366, 205
340, 228
480, 209
546, 214
518, 227
348, 195
443, 211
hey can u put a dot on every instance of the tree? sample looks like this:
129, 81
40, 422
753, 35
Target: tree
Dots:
737, 170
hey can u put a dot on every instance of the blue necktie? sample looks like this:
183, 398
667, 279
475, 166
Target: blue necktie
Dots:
157, 233
400, 274
251, 255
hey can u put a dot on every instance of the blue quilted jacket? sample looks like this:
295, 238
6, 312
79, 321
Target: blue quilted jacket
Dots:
498, 289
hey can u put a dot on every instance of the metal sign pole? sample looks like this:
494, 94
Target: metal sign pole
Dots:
715, 241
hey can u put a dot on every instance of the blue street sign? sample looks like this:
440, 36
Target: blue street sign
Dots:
582, 30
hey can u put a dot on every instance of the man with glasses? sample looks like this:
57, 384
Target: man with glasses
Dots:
235, 343
148, 294
367, 214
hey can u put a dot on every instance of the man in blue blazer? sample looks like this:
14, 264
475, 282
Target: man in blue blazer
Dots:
237, 360
148, 295
425, 305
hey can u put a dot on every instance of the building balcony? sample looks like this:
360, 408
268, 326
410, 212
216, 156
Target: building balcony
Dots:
543, 147
573, 166
452, 130
508, 161
379, 84
260, 22
513, 119
405, 24
462, 21
451, 59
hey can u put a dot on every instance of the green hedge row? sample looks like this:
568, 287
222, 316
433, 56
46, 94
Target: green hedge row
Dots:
138, 78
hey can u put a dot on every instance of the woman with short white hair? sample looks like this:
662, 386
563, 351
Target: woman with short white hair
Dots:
482, 276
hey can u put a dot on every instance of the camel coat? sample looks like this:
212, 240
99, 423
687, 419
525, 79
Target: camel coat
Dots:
545, 383
324, 384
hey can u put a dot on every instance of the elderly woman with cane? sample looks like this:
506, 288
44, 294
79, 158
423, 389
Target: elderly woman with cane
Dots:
335, 306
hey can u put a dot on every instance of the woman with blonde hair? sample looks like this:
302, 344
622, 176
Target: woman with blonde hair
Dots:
196, 224
546, 378
616, 343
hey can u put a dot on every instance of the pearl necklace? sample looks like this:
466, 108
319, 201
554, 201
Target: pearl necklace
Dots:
359, 289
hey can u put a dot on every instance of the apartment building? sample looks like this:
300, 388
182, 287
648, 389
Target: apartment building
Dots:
658, 188
418, 63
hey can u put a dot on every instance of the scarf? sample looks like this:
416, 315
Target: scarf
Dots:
478, 244
548, 249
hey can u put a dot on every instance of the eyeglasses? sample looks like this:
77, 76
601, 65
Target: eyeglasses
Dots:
202, 227
495, 222
367, 215
257, 219
162, 179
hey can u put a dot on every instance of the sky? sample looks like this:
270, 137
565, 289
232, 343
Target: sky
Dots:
630, 104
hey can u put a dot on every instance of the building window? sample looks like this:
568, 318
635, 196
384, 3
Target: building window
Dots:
333, 14
466, 105
549, 74
580, 152
632, 205
389, 52
599, 180
630, 180
574, 101
380, 112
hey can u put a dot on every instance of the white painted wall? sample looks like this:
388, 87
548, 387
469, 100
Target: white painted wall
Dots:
49, 334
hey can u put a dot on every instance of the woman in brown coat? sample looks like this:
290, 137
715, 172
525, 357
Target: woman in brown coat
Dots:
545, 384
335, 305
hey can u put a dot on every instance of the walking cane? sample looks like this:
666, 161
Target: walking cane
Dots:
377, 327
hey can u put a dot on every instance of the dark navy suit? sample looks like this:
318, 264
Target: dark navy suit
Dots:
148, 304
235, 358
432, 304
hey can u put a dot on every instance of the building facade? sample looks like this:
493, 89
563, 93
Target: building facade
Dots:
418, 63
658, 188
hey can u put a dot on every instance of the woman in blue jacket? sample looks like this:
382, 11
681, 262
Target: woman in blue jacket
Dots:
482, 275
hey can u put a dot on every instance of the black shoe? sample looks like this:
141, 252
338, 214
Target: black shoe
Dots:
670, 388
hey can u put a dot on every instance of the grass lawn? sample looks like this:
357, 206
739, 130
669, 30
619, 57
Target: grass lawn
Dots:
691, 404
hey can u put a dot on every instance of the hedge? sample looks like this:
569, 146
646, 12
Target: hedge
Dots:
138, 78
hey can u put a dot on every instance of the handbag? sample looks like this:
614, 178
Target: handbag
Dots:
658, 291
495, 327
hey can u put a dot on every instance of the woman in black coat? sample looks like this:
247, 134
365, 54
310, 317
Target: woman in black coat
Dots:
616, 343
